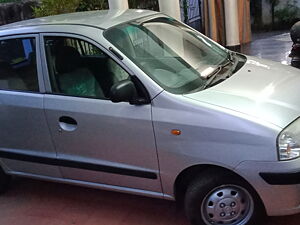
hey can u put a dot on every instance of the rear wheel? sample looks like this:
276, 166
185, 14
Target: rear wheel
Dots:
222, 199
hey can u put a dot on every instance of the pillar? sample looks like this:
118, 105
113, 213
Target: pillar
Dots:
171, 8
118, 4
231, 23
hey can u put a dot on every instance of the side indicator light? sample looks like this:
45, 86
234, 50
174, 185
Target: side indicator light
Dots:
176, 132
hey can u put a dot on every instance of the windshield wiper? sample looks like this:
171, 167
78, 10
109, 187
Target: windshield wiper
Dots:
230, 56
212, 77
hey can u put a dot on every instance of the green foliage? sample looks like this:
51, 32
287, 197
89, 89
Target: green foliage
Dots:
289, 14
87, 5
143, 4
133, 3
8, 1
54, 7
274, 2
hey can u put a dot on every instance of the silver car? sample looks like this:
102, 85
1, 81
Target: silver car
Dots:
137, 102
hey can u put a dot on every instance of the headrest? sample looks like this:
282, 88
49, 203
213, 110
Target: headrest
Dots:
67, 59
32, 57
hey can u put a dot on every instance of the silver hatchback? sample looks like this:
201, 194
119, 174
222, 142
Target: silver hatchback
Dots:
137, 102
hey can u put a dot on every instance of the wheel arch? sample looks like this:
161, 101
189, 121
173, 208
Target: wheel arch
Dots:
184, 178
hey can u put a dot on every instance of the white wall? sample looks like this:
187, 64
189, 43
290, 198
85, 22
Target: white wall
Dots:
118, 4
171, 8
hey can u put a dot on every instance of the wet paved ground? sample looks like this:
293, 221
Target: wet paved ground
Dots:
31, 202
275, 46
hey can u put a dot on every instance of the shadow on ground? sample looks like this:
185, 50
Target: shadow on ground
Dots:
30, 202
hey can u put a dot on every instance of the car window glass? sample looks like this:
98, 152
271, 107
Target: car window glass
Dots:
18, 70
78, 68
176, 57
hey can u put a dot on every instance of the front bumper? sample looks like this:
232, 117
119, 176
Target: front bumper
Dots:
277, 183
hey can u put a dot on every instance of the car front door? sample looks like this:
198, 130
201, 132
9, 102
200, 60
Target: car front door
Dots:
97, 141
26, 147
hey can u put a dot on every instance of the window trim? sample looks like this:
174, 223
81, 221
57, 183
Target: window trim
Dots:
40, 76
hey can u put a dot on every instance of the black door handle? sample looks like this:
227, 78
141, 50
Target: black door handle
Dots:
67, 120
67, 123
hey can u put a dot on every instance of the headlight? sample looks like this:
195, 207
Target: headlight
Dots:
289, 142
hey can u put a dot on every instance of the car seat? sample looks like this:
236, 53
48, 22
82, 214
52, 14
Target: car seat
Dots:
73, 77
9, 80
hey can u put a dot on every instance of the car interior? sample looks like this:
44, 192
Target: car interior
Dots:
18, 69
78, 68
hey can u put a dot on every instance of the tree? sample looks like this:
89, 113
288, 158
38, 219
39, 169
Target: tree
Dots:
54, 7
256, 13
144, 4
87, 5
273, 3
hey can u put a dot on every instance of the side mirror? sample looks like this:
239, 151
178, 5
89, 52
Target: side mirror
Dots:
123, 91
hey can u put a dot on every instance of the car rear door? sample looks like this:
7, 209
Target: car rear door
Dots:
97, 141
26, 147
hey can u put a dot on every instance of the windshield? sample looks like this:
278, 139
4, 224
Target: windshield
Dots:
179, 59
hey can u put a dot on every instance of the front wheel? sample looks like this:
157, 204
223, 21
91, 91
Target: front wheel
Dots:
222, 199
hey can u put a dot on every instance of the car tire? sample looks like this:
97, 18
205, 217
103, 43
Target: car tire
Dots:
4, 181
218, 198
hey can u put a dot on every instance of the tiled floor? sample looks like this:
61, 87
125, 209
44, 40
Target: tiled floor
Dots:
275, 46
31, 202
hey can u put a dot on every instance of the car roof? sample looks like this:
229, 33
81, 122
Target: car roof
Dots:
103, 19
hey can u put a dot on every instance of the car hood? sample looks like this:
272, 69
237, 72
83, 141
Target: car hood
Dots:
263, 89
